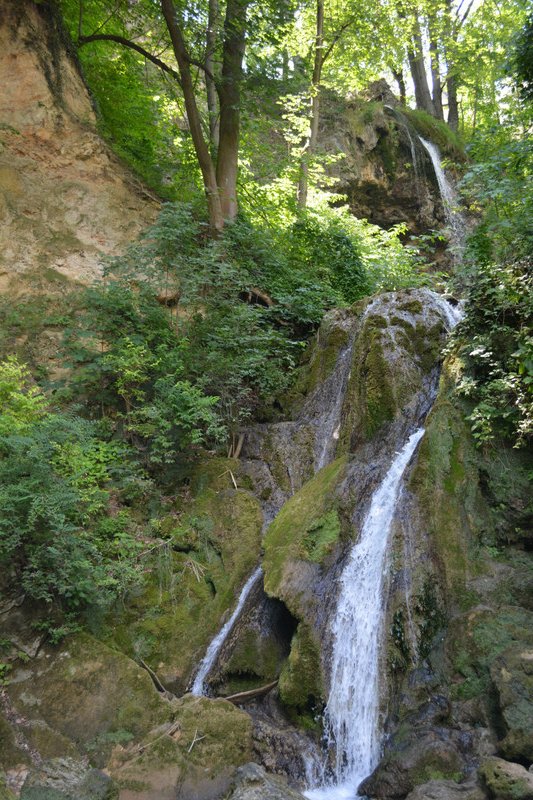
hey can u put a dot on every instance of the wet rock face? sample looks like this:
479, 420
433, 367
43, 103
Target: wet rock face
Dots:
389, 364
253, 783
384, 171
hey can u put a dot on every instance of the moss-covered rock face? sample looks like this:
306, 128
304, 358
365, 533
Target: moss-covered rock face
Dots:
193, 757
84, 690
506, 781
512, 677
306, 530
397, 347
300, 682
213, 545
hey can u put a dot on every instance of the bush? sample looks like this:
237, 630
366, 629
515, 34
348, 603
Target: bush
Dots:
55, 481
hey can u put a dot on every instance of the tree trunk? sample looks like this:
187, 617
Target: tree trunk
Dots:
435, 76
453, 108
211, 89
418, 72
400, 80
315, 104
229, 92
216, 216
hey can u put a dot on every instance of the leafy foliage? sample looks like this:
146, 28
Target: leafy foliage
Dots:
56, 476
496, 340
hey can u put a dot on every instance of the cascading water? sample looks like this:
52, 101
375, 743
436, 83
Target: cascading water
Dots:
454, 217
198, 686
352, 711
327, 427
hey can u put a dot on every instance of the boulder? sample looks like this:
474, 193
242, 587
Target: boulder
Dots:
505, 780
512, 677
422, 756
447, 790
253, 783
67, 779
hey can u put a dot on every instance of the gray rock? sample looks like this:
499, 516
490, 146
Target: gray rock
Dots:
253, 783
447, 790
505, 780
67, 779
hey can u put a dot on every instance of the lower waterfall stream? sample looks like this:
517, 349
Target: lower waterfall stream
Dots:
352, 710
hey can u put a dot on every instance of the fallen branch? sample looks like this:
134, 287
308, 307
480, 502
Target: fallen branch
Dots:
195, 740
158, 685
251, 694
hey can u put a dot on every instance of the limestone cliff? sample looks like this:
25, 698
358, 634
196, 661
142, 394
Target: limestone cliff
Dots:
65, 200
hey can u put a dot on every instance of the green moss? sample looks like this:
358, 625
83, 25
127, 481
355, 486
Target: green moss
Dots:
380, 400
320, 360
300, 682
506, 781
479, 639
208, 739
218, 536
305, 527
436, 131
321, 536
445, 479
412, 307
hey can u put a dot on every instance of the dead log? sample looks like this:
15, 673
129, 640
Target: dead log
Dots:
251, 694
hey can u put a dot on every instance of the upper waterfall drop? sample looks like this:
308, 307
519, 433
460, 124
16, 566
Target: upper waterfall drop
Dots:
454, 218
198, 686
352, 710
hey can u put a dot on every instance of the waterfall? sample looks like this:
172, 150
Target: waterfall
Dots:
352, 710
329, 424
327, 432
213, 650
454, 218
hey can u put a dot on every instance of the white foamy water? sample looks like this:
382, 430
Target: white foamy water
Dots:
352, 711
454, 217
213, 650
452, 314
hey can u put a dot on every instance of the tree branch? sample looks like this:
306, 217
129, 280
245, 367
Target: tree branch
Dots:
335, 39
109, 37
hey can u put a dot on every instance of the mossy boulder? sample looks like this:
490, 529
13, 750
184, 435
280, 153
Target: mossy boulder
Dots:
67, 779
193, 757
506, 781
301, 682
512, 677
84, 689
447, 790
214, 541
306, 530
302, 539
415, 758
396, 348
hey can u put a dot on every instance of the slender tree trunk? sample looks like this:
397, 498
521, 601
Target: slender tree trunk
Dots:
211, 89
207, 167
315, 104
418, 72
435, 75
453, 107
229, 92
400, 80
